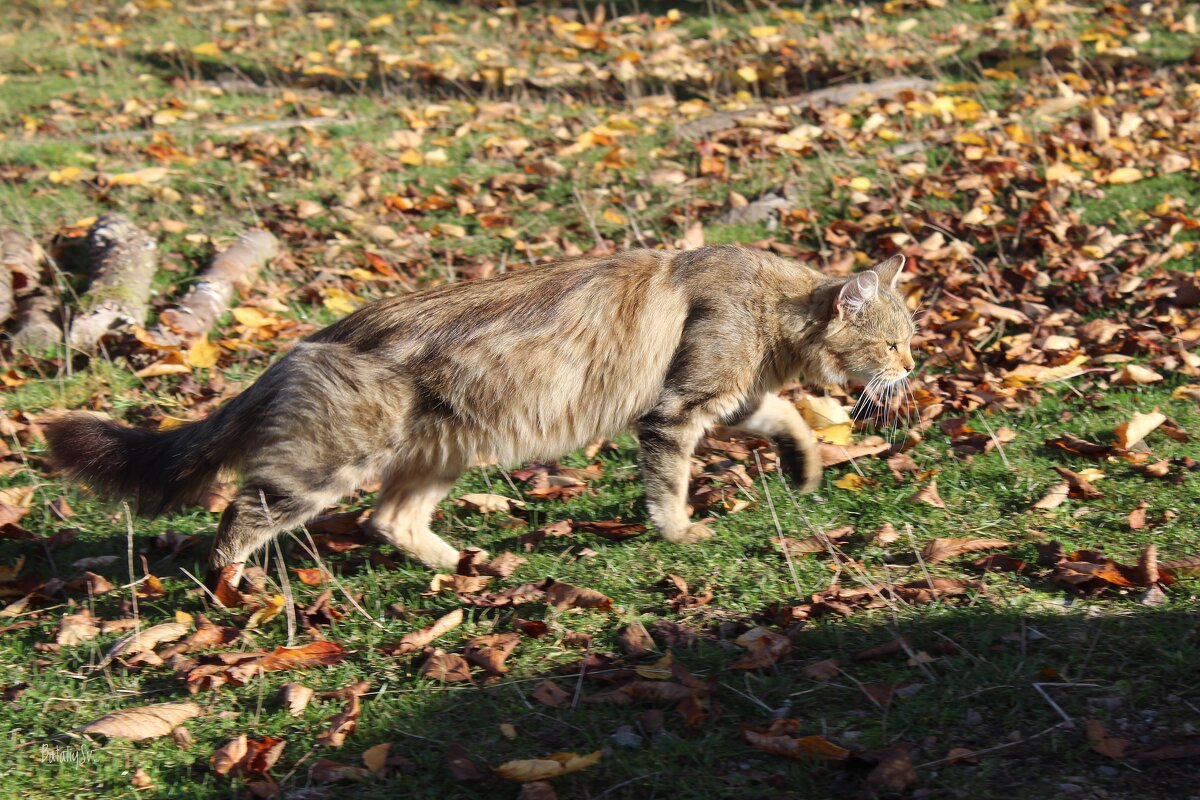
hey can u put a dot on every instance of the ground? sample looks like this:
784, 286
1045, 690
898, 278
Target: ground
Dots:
1041, 176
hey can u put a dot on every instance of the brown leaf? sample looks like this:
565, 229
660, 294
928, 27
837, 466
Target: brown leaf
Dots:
1104, 744
1137, 428
894, 773
310, 576
564, 595
462, 767
446, 667
416, 640
1188, 748
1055, 497
74, 629
900, 464
503, 565
295, 697
825, 670
491, 651
635, 640
551, 694
229, 756
146, 722
612, 529
342, 724
376, 758
834, 454
928, 495
802, 748
763, 648
310, 655
942, 549
1079, 485
325, 771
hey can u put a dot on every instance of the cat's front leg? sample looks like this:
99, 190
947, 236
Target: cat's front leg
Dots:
779, 421
666, 443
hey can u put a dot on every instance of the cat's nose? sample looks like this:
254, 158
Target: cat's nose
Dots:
906, 360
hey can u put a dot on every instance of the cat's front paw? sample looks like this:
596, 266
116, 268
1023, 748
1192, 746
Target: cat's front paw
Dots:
695, 532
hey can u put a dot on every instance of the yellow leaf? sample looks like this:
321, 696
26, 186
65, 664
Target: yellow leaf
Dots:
339, 301
835, 434
658, 671
1125, 175
764, 31
382, 21
253, 317
65, 175
139, 177
203, 354
411, 157
860, 184
270, 611
1062, 173
171, 364
1138, 427
552, 766
613, 217
851, 481
184, 618
748, 74
822, 412
207, 49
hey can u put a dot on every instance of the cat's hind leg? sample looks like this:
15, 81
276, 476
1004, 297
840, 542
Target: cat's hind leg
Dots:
403, 512
779, 421
257, 514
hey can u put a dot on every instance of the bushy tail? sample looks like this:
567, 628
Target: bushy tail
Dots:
159, 470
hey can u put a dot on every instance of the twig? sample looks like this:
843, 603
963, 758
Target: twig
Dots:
1067, 721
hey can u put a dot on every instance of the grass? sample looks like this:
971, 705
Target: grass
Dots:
1014, 672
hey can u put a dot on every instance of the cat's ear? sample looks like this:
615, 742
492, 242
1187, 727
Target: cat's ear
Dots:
856, 293
889, 270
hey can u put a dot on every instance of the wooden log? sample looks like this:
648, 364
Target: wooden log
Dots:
35, 326
231, 269
124, 259
19, 258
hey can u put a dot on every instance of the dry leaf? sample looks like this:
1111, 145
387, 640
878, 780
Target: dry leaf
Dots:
1137, 428
541, 769
942, 549
147, 722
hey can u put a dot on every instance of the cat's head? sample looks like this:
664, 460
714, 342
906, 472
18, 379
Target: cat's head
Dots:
867, 336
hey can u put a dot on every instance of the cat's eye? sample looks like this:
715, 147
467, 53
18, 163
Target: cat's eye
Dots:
892, 346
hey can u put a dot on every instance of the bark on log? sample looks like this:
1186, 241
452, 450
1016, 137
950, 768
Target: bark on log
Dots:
19, 257
232, 268
832, 95
35, 326
124, 259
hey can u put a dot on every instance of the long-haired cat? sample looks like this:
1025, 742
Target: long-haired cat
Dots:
530, 364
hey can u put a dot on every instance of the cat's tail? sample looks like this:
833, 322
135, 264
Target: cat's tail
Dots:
164, 469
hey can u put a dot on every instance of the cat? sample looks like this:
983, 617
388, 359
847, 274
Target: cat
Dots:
525, 365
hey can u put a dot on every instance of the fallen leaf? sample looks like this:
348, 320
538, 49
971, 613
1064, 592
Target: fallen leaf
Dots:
928, 495
541, 769
1137, 428
942, 549
146, 722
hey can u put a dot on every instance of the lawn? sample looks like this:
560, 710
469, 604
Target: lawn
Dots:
912, 629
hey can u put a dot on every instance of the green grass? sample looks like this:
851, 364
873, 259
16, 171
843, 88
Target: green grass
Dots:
1110, 658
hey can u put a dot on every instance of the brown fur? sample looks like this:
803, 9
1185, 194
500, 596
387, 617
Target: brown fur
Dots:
527, 365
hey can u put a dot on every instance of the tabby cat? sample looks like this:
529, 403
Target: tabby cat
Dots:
532, 364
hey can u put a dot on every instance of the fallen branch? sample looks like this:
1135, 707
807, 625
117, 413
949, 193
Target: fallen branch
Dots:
19, 257
832, 95
231, 269
124, 259
35, 325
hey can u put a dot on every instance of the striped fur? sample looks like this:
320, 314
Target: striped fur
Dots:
529, 364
